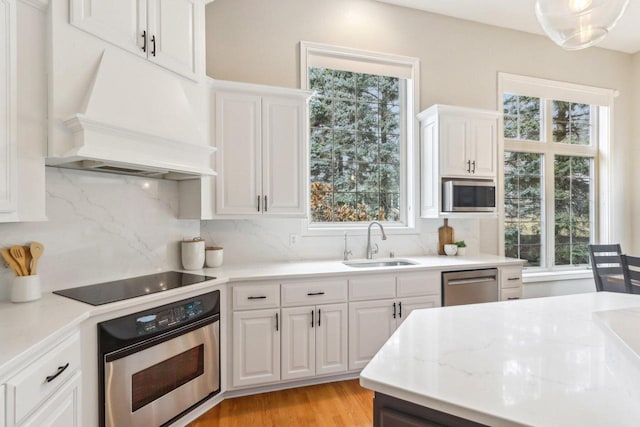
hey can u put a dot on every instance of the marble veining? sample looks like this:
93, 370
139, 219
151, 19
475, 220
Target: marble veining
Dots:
536, 362
102, 227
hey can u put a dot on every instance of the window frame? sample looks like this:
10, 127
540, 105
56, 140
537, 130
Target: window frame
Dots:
361, 61
601, 208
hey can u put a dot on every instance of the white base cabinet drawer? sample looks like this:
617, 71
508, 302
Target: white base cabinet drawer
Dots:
314, 292
511, 277
510, 294
252, 297
62, 409
372, 287
419, 284
29, 388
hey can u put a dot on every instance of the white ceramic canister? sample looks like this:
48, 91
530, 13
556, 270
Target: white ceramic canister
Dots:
193, 254
213, 256
26, 288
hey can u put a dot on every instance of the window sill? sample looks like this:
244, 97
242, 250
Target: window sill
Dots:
550, 276
357, 230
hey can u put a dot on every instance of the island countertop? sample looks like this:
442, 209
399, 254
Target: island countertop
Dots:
541, 362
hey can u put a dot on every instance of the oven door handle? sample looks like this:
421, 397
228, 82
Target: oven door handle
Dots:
158, 339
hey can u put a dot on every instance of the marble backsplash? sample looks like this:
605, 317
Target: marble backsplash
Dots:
105, 227
102, 227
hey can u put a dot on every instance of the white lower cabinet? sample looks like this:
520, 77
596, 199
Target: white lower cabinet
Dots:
256, 347
62, 409
314, 340
370, 325
407, 305
2, 405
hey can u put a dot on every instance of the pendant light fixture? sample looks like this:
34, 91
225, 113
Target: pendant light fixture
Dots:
578, 24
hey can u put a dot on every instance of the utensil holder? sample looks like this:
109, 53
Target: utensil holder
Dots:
26, 288
213, 256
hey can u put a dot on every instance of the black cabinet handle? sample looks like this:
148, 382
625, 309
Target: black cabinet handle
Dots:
319, 317
511, 298
513, 278
469, 166
277, 323
61, 369
312, 313
400, 308
153, 49
315, 293
260, 297
258, 203
474, 166
394, 310
265, 203
144, 40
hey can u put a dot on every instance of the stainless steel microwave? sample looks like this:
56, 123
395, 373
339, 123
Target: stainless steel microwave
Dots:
468, 196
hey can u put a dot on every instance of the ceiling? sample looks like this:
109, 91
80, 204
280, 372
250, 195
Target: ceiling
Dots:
520, 15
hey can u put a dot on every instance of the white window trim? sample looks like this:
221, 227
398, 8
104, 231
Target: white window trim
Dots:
604, 198
362, 61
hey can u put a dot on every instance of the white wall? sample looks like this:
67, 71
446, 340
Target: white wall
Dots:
258, 42
101, 227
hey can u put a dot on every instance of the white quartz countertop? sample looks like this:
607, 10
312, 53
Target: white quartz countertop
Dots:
28, 327
284, 270
540, 362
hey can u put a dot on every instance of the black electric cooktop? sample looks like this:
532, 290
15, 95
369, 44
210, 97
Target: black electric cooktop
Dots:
118, 290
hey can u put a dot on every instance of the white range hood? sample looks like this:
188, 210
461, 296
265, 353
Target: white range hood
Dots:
136, 120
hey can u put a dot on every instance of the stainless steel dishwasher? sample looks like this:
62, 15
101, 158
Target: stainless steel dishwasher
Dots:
469, 286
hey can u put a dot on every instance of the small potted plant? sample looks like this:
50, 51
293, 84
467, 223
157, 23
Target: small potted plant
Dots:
462, 247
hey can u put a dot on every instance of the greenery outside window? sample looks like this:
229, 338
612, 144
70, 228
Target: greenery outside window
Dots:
551, 148
361, 162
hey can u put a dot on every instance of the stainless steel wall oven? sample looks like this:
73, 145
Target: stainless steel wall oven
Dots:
157, 364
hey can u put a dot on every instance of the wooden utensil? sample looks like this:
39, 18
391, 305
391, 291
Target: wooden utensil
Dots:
11, 262
17, 252
28, 258
36, 253
445, 236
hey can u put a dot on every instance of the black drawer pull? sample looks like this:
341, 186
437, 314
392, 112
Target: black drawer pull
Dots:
61, 369
394, 310
512, 298
260, 297
513, 278
315, 293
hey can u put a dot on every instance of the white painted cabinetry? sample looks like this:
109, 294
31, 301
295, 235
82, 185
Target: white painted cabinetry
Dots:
256, 347
459, 143
169, 33
261, 157
261, 136
46, 392
372, 320
8, 108
510, 283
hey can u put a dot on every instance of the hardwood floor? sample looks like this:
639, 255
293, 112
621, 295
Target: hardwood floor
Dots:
342, 403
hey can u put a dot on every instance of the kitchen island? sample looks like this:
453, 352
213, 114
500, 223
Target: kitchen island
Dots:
553, 361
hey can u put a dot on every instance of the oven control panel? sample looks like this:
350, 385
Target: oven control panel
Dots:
153, 322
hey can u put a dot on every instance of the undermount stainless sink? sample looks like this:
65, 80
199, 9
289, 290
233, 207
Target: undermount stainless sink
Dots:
378, 263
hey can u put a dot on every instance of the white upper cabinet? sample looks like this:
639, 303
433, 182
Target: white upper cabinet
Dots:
8, 108
169, 33
468, 143
261, 137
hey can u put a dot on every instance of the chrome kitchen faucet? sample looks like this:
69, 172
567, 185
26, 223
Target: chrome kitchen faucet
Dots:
370, 251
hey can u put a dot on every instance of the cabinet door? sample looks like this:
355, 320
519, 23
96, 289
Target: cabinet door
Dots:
298, 342
62, 409
483, 148
284, 156
256, 347
174, 30
2, 406
407, 305
454, 134
371, 323
8, 111
121, 22
238, 139
331, 339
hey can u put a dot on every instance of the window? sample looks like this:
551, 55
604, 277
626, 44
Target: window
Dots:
552, 147
360, 159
